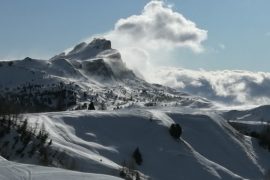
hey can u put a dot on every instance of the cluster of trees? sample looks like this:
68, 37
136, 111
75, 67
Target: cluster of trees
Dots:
263, 137
54, 97
85, 106
38, 98
9, 63
18, 139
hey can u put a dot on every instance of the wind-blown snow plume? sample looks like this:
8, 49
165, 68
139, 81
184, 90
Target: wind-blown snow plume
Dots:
232, 87
141, 38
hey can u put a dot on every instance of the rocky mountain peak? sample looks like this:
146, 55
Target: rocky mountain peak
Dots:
84, 51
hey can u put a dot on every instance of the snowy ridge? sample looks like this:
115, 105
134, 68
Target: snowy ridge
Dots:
91, 72
85, 51
258, 114
101, 141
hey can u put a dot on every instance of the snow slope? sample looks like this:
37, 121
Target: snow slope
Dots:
258, 114
99, 142
16, 171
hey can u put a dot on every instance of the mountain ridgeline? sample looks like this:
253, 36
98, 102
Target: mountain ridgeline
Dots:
89, 73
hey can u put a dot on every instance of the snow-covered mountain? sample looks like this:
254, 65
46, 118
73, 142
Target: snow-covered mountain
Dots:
89, 72
97, 59
44, 120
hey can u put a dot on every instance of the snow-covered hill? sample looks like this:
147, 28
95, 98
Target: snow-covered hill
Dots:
100, 142
253, 122
258, 114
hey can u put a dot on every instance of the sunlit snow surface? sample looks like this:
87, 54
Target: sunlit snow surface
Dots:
210, 148
100, 142
15, 171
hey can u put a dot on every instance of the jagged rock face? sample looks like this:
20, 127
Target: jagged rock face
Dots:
98, 68
84, 51
78, 48
113, 70
97, 59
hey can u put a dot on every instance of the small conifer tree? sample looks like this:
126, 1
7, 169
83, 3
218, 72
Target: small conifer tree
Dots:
137, 156
175, 131
91, 106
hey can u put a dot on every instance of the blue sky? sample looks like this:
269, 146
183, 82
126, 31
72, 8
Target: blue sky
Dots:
238, 31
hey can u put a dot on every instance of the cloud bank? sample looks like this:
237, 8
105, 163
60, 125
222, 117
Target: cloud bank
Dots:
229, 87
151, 36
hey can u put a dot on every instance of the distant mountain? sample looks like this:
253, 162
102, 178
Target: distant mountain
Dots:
89, 72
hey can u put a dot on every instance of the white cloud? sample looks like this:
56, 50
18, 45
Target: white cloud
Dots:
158, 26
228, 86
150, 37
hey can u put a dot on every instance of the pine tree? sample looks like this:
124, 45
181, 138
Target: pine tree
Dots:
137, 156
175, 131
91, 106
43, 135
23, 128
103, 106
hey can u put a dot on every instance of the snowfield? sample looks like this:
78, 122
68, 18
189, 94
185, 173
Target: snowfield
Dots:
99, 142
15, 171
60, 94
